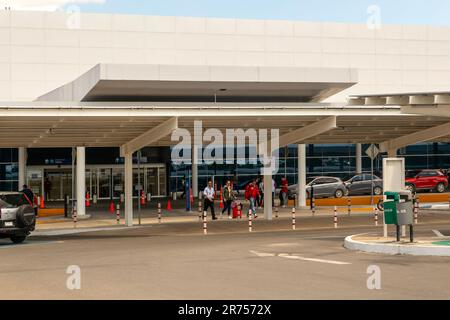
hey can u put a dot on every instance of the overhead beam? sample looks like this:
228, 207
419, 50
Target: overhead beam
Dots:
416, 137
149, 137
309, 131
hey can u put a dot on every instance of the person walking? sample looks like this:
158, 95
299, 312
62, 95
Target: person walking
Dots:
47, 188
209, 193
261, 192
284, 192
251, 194
228, 198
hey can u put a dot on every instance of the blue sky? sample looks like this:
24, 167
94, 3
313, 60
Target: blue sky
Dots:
435, 12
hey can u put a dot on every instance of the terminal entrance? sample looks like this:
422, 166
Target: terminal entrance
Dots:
105, 181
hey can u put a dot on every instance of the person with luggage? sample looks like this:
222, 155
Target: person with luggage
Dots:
228, 198
209, 193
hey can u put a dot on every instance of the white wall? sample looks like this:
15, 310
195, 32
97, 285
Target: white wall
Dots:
40, 51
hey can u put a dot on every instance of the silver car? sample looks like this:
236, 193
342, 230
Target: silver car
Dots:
18, 218
323, 187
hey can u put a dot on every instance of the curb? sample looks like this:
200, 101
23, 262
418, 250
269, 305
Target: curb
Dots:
396, 249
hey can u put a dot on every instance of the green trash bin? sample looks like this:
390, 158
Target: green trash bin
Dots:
390, 207
398, 208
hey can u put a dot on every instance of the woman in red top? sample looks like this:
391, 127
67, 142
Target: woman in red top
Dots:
284, 192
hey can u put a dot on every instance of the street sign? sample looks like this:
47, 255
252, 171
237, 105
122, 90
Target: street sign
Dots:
372, 151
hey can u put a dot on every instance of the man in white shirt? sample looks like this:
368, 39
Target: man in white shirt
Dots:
209, 193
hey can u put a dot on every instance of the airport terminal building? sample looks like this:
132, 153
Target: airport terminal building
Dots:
96, 85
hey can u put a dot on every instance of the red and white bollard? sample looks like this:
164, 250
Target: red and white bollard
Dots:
200, 210
75, 217
293, 218
376, 216
159, 212
250, 221
313, 206
118, 213
276, 212
416, 213
205, 225
335, 218
349, 205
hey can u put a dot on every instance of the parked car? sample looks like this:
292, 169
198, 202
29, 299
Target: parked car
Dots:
362, 184
324, 187
426, 180
18, 218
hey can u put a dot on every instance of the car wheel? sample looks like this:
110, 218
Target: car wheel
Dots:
377, 191
410, 187
440, 187
338, 193
18, 239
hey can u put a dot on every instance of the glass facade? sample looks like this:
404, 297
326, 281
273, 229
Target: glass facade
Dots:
9, 170
337, 160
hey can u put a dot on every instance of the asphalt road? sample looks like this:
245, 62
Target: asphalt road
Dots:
177, 262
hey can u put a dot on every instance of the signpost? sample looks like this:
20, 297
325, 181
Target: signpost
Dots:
372, 152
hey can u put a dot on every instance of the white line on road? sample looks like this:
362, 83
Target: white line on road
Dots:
437, 233
27, 244
296, 257
262, 254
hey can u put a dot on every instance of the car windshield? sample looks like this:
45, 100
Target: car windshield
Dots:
12, 200
309, 180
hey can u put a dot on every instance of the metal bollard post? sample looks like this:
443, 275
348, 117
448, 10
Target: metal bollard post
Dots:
335, 217
313, 206
205, 226
118, 213
159, 212
376, 216
250, 221
276, 212
349, 205
293, 218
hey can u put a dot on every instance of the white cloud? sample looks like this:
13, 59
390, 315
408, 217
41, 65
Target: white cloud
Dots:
43, 5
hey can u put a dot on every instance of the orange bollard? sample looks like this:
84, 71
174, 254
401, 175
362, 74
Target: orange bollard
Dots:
142, 198
42, 203
111, 207
169, 205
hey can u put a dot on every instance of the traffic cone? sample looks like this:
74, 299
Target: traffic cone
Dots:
111, 207
169, 205
142, 198
88, 200
42, 204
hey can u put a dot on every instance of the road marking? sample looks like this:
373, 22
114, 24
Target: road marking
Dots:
437, 233
296, 257
262, 254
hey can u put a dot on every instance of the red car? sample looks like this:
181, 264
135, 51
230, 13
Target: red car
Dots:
426, 180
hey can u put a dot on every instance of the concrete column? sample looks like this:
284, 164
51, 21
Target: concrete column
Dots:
22, 167
268, 197
195, 150
129, 189
392, 153
81, 181
358, 158
301, 183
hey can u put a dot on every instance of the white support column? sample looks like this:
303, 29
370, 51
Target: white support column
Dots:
268, 197
22, 167
195, 151
393, 178
129, 189
358, 158
301, 183
81, 181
